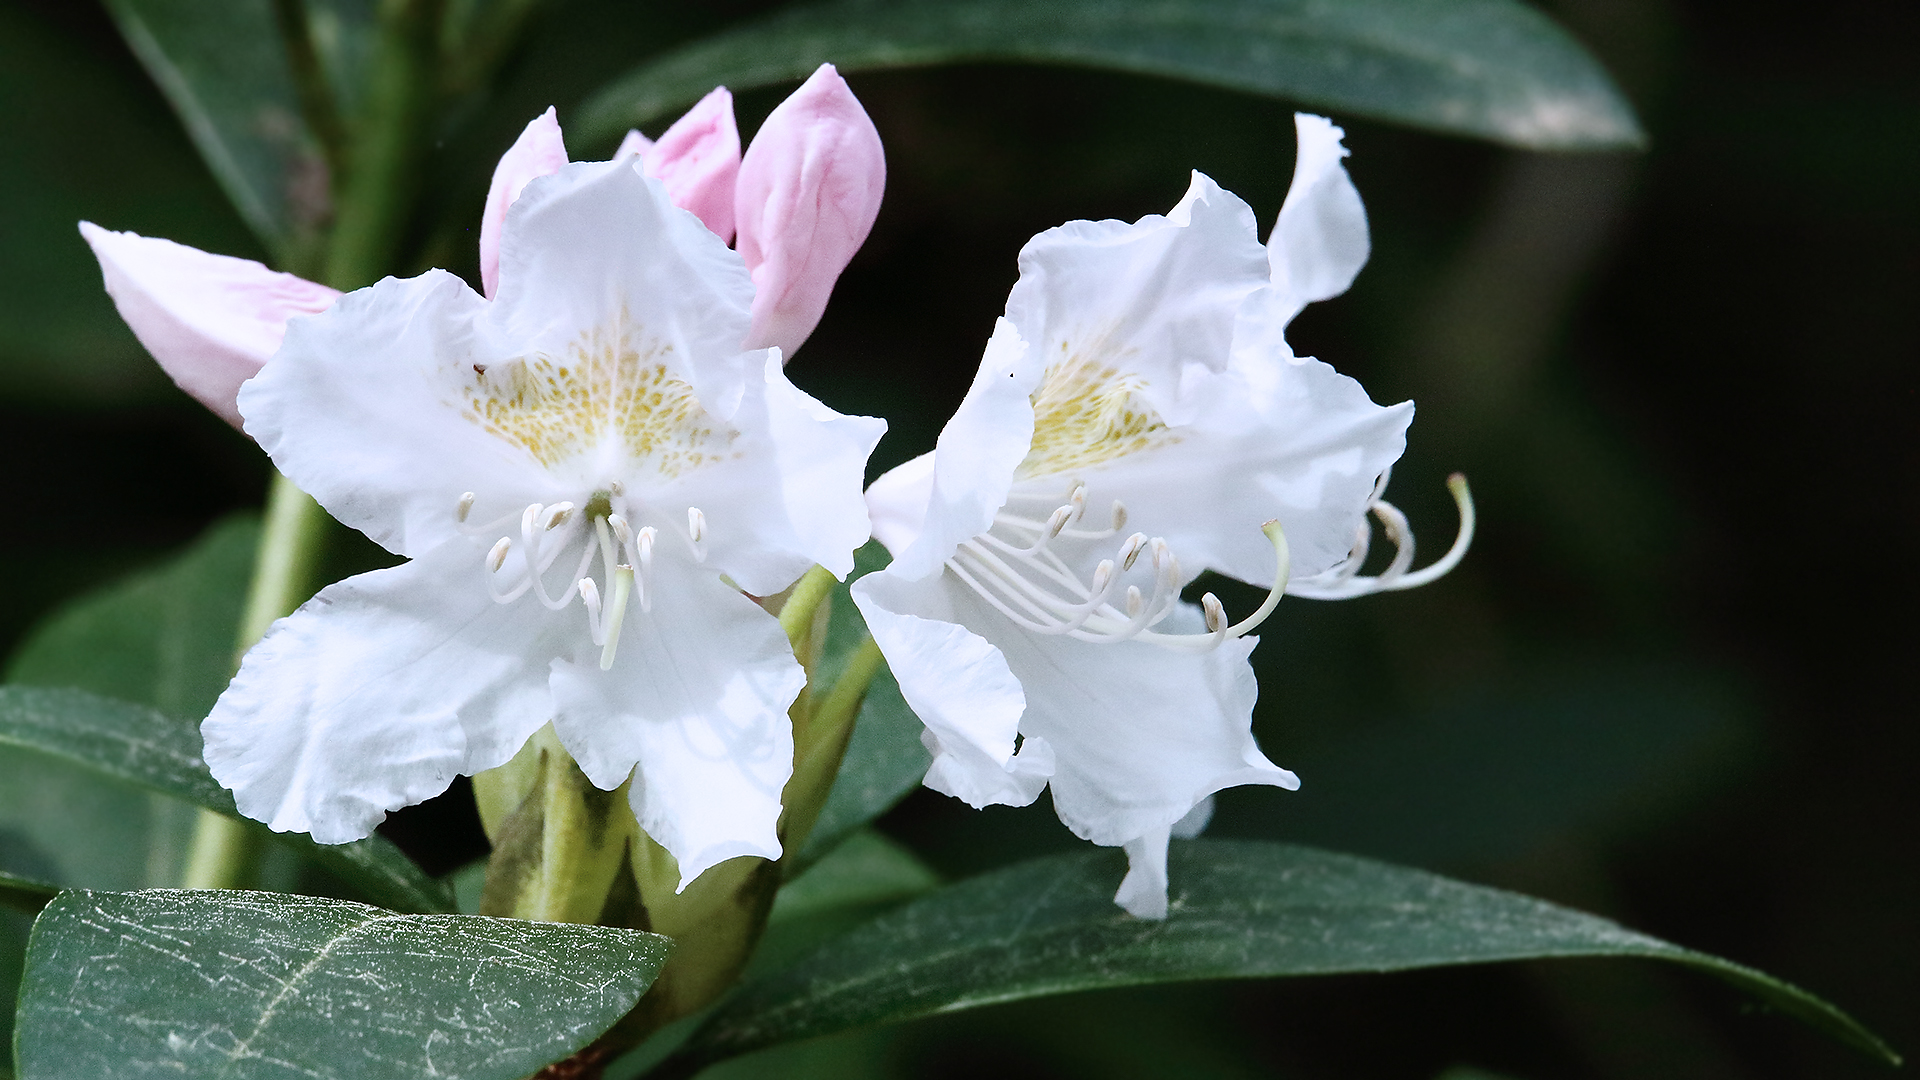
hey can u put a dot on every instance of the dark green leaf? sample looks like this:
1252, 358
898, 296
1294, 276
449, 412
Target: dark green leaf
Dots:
138, 745
86, 138
223, 66
244, 984
1239, 910
164, 638
865, 875
25, 894
1496, 69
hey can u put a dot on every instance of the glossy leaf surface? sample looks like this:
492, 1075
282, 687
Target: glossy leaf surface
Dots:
1495, 69
223, 66
245, 984
141, 746
1239, 910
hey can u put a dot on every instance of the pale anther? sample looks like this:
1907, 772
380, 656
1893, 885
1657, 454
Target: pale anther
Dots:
558, 513
696, 524
466, 507
1119, 515
1215, 612
498, 556
1059, 521
1130, 551
622, 531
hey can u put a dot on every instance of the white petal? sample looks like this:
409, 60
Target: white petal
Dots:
1149, 299
598, 247
1196, 821
1320, 240
786, 497
378, 691
960, 687
1301, 444
1140, 734
362, 408
210, 320
897, 502
1143, 892
695, 709
977, 453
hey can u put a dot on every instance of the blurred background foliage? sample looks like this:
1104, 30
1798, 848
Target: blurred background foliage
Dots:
1666, 687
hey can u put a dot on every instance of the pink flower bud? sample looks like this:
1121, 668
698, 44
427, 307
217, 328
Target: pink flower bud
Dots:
538, 151
809, 190
210, 320
698, 159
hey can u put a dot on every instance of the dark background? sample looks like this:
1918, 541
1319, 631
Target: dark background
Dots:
1666, 686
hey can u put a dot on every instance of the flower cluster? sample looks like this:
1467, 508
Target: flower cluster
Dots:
596, 464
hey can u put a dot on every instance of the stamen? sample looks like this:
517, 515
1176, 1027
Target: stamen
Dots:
1059, 521
615, 487
1025, 585
498, 556
466, 507
616, 612
590, 599
558, 513
1343, 583
697, 532
643, 564
1119, 515
1216, 614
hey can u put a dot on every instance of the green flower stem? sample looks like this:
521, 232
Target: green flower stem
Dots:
372, 202
372, 205
223, 850
818, 750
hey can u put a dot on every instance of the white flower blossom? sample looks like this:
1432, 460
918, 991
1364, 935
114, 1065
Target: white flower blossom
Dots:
1137, 417
595, 433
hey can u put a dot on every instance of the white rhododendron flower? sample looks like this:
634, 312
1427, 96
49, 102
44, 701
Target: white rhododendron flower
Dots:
585, 472
804, 196
1137, 418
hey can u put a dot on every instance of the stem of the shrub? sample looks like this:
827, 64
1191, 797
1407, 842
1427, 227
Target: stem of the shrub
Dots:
224, 850
372, 205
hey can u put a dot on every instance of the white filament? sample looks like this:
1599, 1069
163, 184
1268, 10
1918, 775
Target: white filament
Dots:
1022, 578
1344, 581
548, 532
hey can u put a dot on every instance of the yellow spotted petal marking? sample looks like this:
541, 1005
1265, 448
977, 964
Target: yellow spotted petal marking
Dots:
1086, 414
604, 388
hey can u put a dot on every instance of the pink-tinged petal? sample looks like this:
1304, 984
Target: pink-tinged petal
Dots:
698, 158
809, 190
539, 151
210, 320
634, 144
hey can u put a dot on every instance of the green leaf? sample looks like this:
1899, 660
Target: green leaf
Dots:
25, 894
86, 138
244, 984
223, 66
141, 746
164, 638
862, 877
1239, 910
1497, 69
